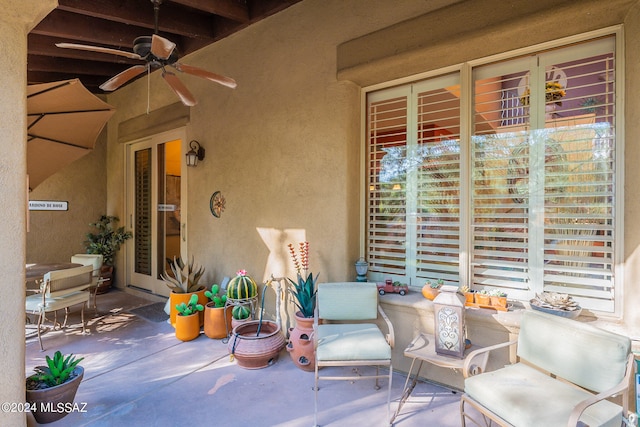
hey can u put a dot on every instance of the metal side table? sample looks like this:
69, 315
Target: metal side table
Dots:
423, 349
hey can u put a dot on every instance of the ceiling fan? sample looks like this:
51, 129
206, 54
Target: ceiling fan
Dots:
157, 52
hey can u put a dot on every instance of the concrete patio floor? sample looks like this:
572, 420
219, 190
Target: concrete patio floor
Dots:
138, 374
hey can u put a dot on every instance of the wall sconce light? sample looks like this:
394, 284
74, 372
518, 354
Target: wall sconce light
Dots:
449, 322
196, 153
362, 267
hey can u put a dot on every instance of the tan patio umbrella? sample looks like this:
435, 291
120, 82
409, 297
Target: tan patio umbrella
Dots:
63, 121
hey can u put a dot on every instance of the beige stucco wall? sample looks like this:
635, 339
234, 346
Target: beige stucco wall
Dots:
17, 18
54, 236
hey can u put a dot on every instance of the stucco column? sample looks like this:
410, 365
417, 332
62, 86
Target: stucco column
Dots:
18, 17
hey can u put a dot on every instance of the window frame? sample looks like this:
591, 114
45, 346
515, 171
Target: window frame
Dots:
465, 71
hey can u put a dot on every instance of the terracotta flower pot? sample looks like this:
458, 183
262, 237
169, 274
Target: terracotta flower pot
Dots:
252, 350
468, 297
300, 345
50, 398
482, 299
499, 301
187, 327
175, 299
215, 324
430, 293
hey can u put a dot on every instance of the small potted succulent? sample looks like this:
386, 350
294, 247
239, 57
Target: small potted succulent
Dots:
431, 289
51, 390
215, 322
468, 294
188, 319
482, 297
498, 298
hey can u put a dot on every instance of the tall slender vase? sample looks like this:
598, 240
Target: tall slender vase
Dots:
300, 345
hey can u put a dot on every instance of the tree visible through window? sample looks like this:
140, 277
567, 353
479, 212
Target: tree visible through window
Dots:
524, 202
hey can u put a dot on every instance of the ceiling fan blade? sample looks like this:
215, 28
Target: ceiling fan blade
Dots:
180, 89
161, 48
199, 72
119, 79
99, 49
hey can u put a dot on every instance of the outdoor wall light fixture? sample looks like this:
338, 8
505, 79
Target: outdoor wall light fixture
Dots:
196, 153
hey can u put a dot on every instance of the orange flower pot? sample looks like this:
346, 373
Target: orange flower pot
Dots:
215, 326
430, 293
175, 299
187, 327
499, 301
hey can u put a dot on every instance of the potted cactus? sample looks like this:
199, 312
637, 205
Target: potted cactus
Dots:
51, 390
217, 318
430, 290
188, 319
183, 280
242, 287
240, 314
498, 298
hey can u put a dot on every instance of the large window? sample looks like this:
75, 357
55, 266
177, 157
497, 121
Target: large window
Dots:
500, 175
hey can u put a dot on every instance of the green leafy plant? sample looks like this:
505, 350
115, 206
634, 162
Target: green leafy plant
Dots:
183, 278
496, 293
57, 371
107, 240
214, 296
304, 288
189, 308
435, 285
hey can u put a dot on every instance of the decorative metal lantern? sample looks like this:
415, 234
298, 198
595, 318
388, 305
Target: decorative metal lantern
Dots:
362, 267
449, 322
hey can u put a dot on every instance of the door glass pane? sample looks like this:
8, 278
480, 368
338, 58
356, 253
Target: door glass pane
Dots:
142, 211
169, 160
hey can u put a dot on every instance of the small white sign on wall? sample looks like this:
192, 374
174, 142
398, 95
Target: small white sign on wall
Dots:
48, 205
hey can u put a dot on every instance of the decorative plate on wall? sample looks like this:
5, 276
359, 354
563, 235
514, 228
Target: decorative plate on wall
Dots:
217, 204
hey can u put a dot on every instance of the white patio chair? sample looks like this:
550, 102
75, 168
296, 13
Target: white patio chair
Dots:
343, 339
94, 260
61, 289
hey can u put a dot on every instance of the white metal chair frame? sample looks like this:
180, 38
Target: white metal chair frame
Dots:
94, 260
60, 289
351, 300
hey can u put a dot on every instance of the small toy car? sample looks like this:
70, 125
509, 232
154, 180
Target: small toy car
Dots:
393, 288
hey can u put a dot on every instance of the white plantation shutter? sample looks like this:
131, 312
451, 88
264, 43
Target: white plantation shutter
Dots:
579, 202
500, 184
536, 210
386, 216
437, 246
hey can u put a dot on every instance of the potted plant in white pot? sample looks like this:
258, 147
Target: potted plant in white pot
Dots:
106, 241
51, 390
303, 293
183, 280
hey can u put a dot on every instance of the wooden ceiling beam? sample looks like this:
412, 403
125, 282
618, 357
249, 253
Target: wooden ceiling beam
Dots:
230, 9
173, 18
71, 66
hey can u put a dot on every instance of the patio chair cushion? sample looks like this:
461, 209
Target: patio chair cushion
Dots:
549, 402
353, 341
34, 302
336, 301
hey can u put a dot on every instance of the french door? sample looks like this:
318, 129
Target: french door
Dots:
155, 212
